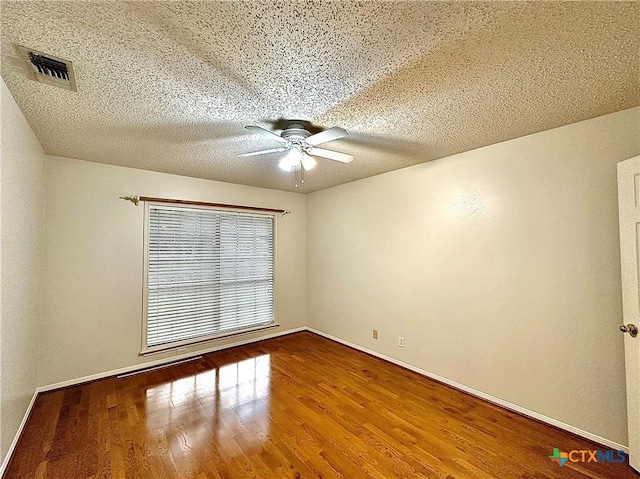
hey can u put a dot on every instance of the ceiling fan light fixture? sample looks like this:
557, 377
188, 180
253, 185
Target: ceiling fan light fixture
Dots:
291, 160
307, 162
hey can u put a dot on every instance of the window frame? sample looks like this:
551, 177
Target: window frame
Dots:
186, 343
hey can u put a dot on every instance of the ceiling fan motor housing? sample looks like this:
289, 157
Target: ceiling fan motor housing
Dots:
295, 131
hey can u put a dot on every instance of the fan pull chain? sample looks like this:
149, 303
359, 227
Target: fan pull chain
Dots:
299, 176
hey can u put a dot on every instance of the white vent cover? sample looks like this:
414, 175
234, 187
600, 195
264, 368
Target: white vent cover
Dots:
50, 69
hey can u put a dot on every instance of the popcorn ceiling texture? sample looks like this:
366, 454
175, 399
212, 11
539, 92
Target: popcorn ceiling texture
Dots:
169, 86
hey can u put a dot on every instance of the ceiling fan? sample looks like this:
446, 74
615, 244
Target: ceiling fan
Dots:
301, 145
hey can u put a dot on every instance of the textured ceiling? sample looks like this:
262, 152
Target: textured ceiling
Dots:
168, 86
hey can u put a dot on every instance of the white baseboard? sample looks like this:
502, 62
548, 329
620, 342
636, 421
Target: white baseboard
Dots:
160, 362
5, 462
487, 397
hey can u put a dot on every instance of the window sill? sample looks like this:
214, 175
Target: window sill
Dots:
182, 346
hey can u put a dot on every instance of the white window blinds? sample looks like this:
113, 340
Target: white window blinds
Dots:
209, 272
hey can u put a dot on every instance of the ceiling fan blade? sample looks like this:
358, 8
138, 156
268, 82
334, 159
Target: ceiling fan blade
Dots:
263, 152
332, 155
267, 133
327, 135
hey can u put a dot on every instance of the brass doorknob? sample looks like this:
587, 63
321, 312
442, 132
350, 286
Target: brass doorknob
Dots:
632, 329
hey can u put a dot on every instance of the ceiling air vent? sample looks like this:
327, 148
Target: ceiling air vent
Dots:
51, 70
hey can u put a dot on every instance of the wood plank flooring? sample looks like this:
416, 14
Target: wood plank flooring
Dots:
299, 406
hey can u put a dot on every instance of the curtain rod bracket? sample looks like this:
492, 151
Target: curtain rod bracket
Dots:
134, 199
286, 212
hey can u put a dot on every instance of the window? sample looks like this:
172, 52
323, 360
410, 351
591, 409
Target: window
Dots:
209, 272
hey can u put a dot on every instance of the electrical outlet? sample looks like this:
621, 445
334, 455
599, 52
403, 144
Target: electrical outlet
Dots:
375, 334
401, 341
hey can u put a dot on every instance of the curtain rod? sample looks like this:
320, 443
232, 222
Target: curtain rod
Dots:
136, 199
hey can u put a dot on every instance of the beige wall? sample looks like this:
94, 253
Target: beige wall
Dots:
94, 262
22, 174
500, 266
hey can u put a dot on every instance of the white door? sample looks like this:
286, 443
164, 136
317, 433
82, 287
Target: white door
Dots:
629, 204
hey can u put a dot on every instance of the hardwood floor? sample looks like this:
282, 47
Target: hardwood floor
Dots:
298, 406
